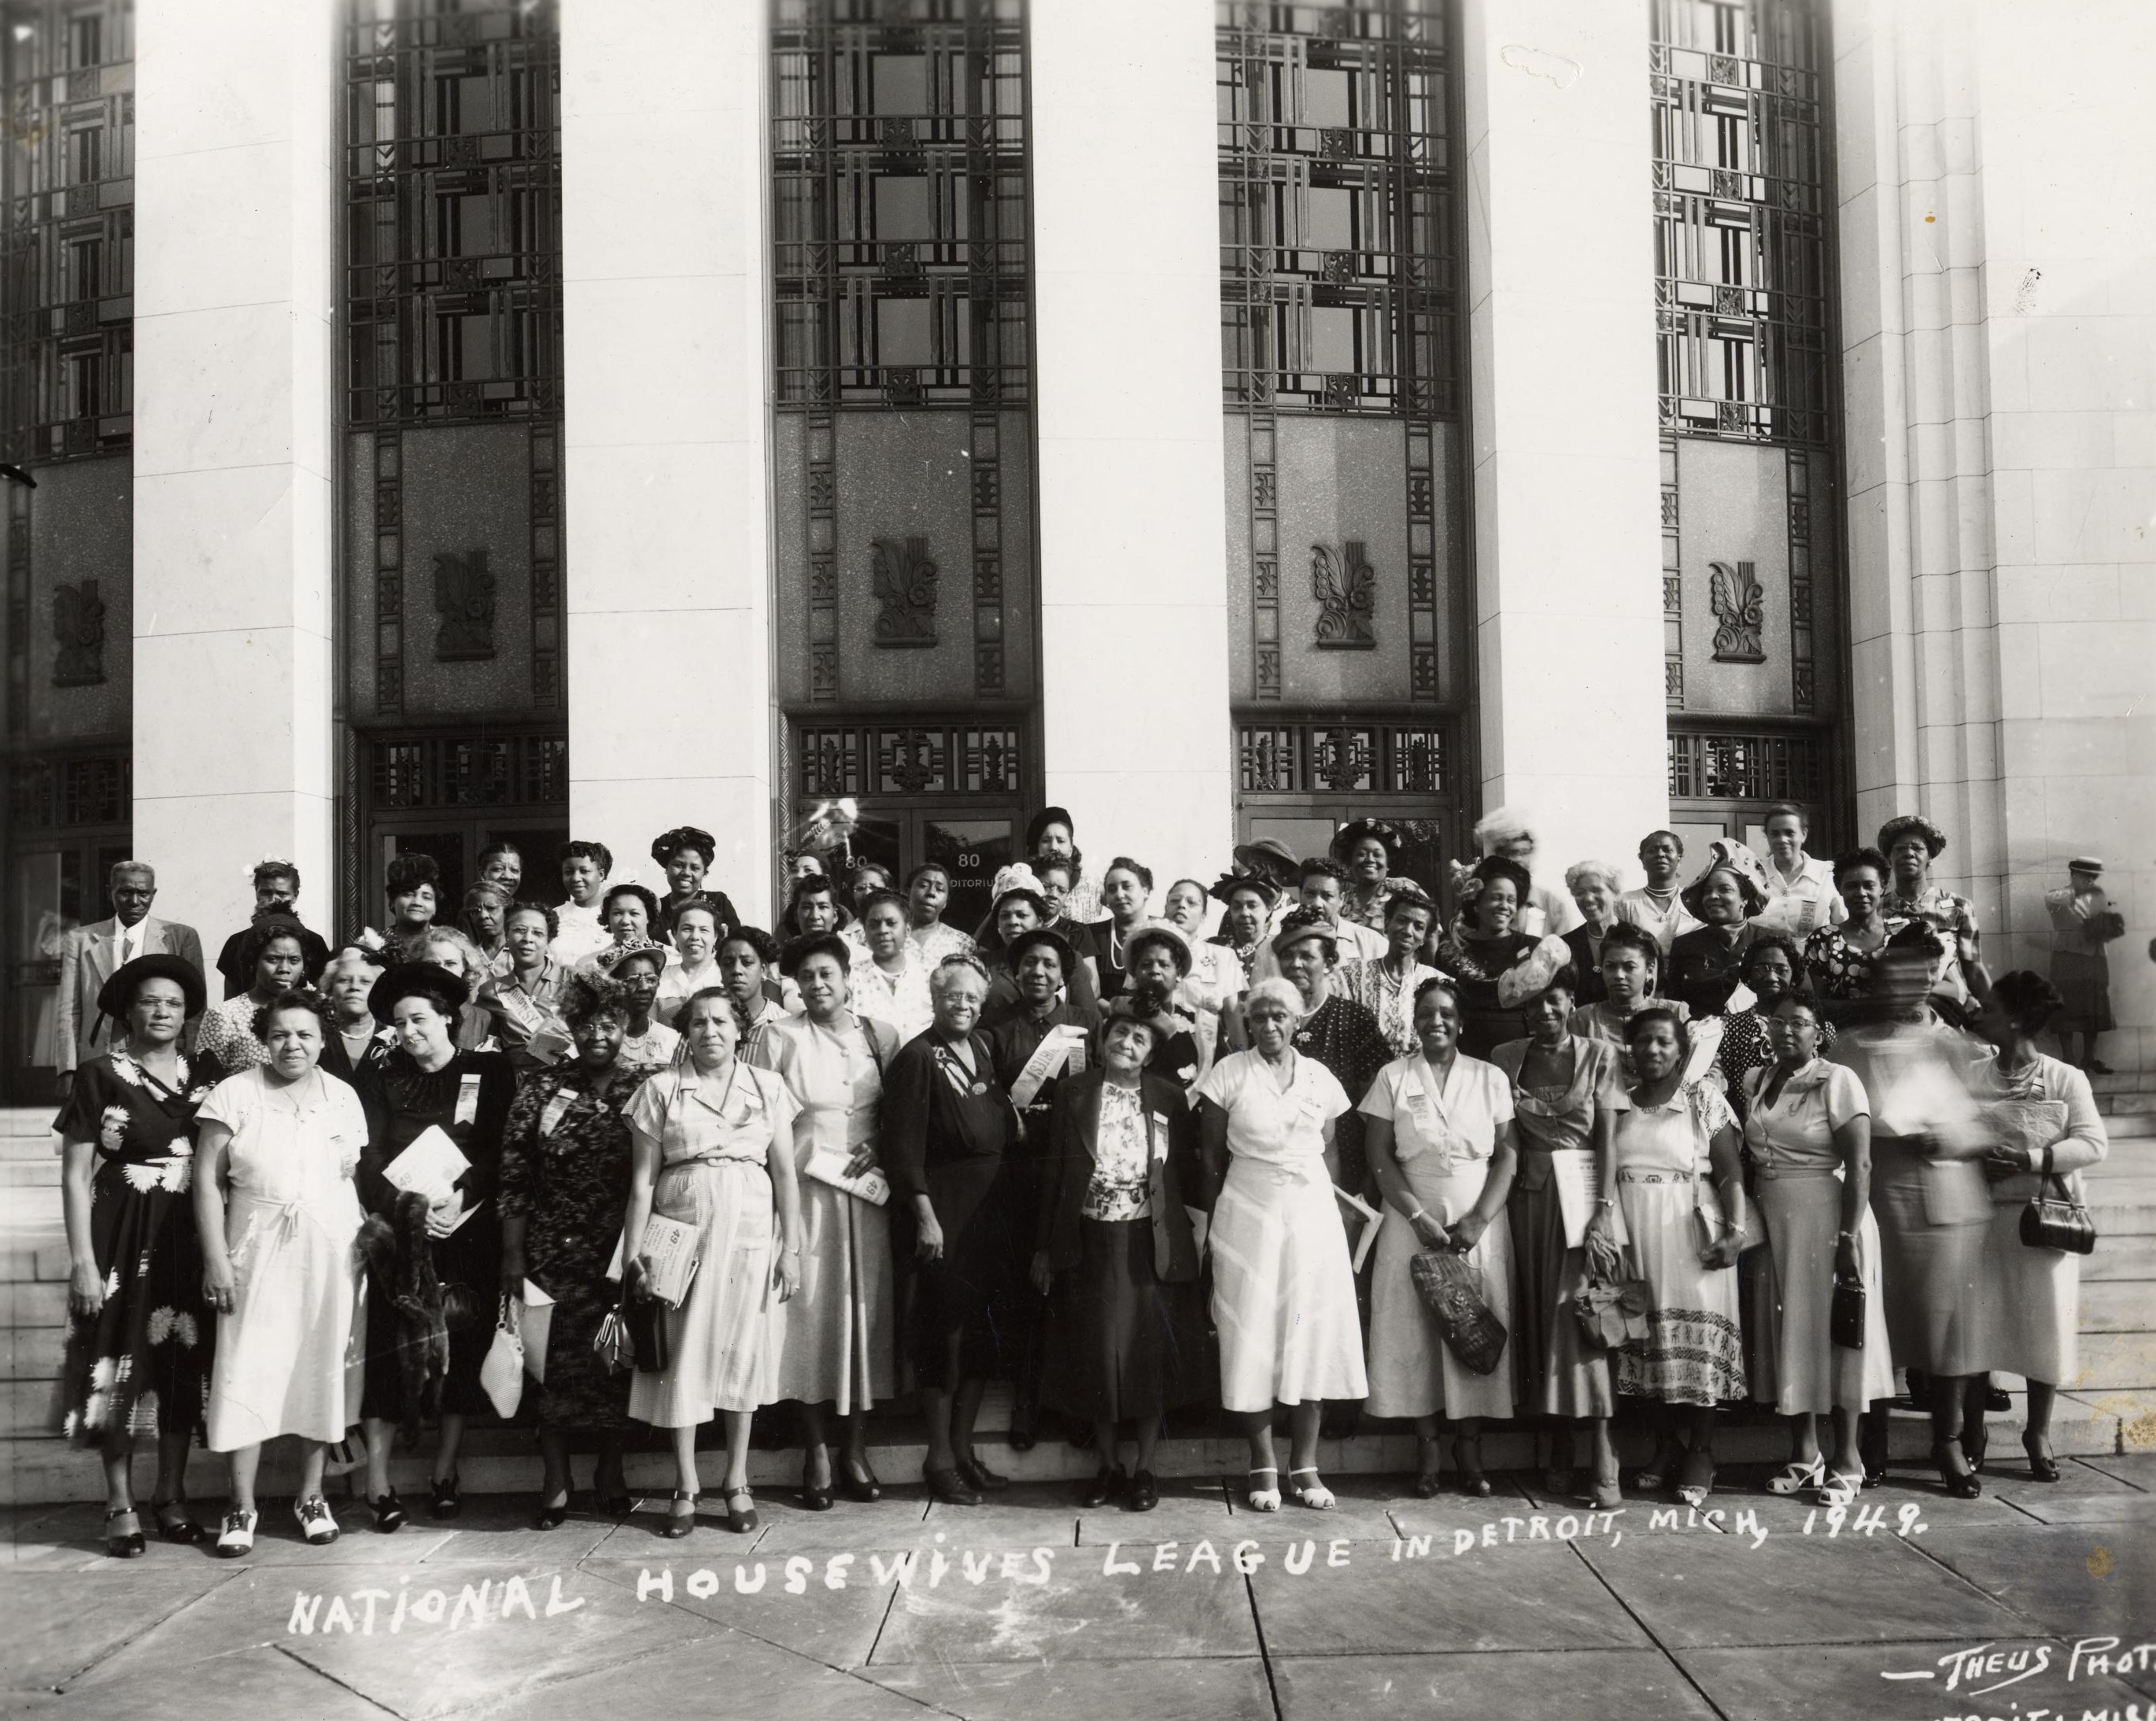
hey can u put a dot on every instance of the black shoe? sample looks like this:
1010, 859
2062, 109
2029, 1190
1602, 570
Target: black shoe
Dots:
125, 1544
1022, 1436
388, 1513
978, 1475
176, 1524
813, 1498
446, 1502
1105, 1485
863, 1489
1962, 1482
1145, 1493
1997, 1399
949, 1488
552, 1515
617, 1505
2042, 1465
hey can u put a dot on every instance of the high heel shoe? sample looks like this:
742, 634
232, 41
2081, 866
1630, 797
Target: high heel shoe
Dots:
552, 1514
1603, 1493
863, 1489
740, 1519
1692, 1486
129, 1543
1654, 1477
1962, 1482
182, 1528
2042, 1465
680, 1516
1427, 1480
1471, 1478
814, 1499
448, 1502
388, 1513
1796, 1476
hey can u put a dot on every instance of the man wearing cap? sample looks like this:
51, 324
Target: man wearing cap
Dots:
2083, 923
1036, 1037
1051, 833
90, 955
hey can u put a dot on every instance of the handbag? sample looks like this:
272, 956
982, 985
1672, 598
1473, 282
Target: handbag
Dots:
643, 1318
1845, 1318
502, 1375
612, 1345
1451, 1290
1610, 1311
2056, 1222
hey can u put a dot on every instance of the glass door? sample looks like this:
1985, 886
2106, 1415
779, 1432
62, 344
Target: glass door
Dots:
52, 888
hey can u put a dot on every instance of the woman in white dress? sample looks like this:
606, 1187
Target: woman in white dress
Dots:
1679, 1182
833, 1341
1283, 1289
889, 979
1439, 1133
1808, 1127
2044, 1125
696, 927
714, 1148
278, 1213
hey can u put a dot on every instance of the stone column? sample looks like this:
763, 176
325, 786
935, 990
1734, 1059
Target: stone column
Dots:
1997, 329
1133, 524
664, 258
1560, 270
235, 182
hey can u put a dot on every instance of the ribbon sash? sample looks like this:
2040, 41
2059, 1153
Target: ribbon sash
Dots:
1062, 1050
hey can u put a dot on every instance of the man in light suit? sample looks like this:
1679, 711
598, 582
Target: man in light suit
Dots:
90, 954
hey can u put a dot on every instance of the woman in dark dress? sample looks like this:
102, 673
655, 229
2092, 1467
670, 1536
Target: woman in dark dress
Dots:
1705, 965
947, 1122
139, 1339
1116, 1252
1157, 960
1126, 889
1483, 941
427, 1082
565, 1164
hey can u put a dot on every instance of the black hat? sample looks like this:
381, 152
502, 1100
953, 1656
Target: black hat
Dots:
664, 848
416, 979
118, 992
1016, 949
1041, 820
1226, 886
1356, 830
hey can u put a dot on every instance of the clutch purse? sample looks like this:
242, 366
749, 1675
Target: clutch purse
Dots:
647, 1334
1451, 1290
1844, 1319
1610, 1311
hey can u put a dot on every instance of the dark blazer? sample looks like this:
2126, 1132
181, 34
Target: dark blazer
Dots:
1701, 972
1070, 1172
1591, 988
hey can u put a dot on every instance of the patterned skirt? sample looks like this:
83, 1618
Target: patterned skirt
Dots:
1694, 1350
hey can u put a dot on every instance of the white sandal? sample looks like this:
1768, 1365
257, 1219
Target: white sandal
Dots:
238, 1537
1318, 1497
1796, 1476
1841, 1488
1265, 1499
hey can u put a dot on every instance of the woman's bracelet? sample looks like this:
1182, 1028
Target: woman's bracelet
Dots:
1419, 1214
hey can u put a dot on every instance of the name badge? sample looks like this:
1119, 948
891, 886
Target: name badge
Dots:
468, 1099
1159, 1136
1310, 1105
556, 1108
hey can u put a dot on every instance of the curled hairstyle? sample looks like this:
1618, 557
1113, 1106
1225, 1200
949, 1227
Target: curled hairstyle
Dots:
958, 962
1439, 982
765, 947
1647, 1015
1855, 860
310, 1002
1628, 935
599, 854
265, 932
1137, 869
1273, 990
642, 893
408, 872
1587, 872
2029, 1000
828, 944
522, 906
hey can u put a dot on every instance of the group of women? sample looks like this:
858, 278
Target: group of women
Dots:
1676, 1158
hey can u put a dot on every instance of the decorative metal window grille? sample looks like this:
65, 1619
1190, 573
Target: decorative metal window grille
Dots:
911, 759
452, 210
425, 771
1741, 218
1317, 757
67, 236
1748, 767
62, 794
1338, 273
899, 203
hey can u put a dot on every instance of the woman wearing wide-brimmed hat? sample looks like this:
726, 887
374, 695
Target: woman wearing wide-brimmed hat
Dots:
139, 1334
638, 969
428, 1082
1158, 961
1116, 1250
1705, 966
1247, 900
1483, 941
1019, 906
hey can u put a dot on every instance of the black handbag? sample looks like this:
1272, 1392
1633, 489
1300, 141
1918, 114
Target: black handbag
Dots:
645, 1320
2056, 1222
1844, 1319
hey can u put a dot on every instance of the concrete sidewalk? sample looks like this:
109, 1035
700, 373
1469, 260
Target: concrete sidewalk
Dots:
1028, 1607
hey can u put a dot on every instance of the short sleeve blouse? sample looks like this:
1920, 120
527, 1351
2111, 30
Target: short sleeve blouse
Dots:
1796, 1133
1673, 1138
326, 1111
1455, 1121
693, 1117
1281, 1125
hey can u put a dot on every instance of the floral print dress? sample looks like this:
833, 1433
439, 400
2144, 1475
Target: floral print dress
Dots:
141, 1363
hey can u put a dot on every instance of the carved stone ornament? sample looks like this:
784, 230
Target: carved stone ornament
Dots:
1739, 613
463, 603
78, 631
1346, 592
905, 587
